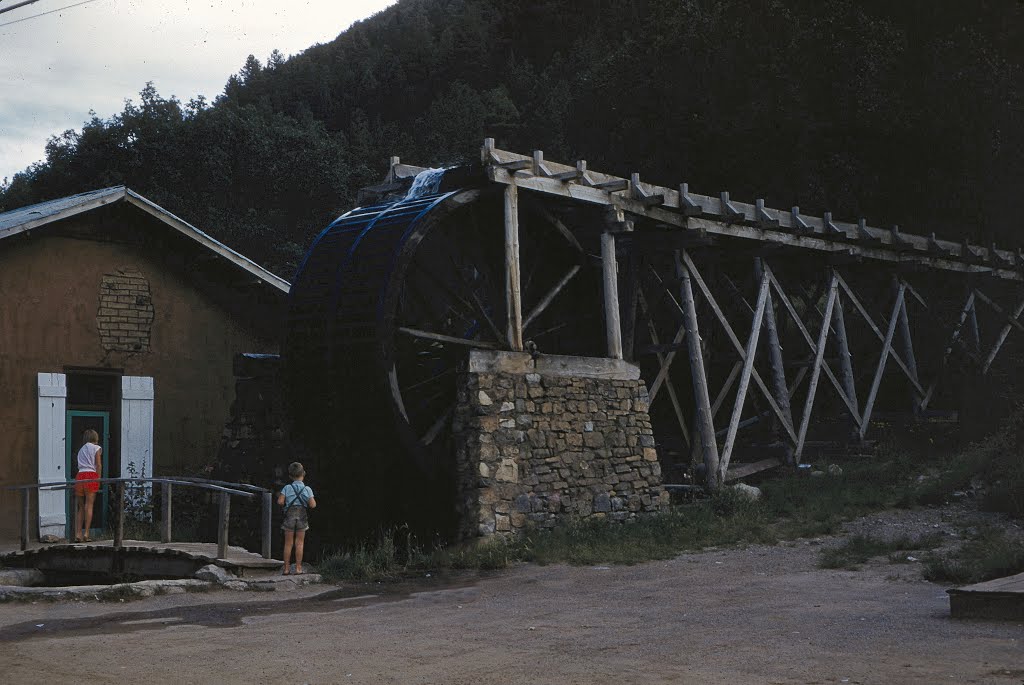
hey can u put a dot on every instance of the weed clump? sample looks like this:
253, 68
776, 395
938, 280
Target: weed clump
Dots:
989, 553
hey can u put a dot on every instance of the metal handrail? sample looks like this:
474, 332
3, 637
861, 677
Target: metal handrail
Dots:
218, 486
225, 490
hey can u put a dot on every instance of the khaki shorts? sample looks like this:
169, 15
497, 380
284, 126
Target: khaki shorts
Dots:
295, 519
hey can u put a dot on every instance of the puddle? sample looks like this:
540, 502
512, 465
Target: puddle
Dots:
230, 615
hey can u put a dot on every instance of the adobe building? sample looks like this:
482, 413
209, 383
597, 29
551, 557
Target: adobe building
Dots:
119, 316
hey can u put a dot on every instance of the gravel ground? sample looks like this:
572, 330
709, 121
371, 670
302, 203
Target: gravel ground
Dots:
754, 615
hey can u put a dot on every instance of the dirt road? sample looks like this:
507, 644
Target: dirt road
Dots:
755, 615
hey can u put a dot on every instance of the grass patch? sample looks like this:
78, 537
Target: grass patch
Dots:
989, 554
860, 548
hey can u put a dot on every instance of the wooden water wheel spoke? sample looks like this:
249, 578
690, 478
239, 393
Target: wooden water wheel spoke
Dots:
478, 304
450, 339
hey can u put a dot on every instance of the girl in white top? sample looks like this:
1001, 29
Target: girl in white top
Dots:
90, 460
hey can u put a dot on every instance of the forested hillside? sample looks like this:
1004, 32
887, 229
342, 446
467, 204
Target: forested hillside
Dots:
908, 112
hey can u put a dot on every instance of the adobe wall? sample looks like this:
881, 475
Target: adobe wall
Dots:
69, 302
541, 441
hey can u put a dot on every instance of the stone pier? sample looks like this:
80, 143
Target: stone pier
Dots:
544, 440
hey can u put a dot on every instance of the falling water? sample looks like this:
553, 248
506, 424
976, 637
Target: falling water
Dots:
426, 183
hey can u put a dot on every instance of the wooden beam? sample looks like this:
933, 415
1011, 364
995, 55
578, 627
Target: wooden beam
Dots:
968, 307
438, 337
810, 342
907, 345
609, 269
775, 360
744, 470
704, 425
676, 405
513, 293
886, 348
550, 296
1011, 321
846, 376
819, 354
748, 367
871, 324
737, 345
739, 220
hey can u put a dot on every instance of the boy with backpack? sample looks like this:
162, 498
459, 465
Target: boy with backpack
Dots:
296, 498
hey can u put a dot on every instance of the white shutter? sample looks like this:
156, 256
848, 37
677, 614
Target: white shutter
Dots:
53, 393
137, 430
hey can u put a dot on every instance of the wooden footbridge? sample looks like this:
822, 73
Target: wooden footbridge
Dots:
760, 332
164, 557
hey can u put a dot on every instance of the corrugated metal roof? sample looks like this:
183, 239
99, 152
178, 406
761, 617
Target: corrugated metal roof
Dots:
26, 218
11, 221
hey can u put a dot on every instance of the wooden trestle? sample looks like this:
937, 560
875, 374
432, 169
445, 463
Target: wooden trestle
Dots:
722, 280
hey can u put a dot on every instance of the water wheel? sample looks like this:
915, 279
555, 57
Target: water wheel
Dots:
383, 311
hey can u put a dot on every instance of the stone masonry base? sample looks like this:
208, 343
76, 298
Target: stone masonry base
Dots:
547, 440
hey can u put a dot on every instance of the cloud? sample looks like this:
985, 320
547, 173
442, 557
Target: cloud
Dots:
58, 67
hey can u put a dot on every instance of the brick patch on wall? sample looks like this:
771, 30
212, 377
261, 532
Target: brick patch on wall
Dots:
557, 438
125, 316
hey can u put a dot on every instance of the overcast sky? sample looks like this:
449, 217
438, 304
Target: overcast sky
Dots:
55, 68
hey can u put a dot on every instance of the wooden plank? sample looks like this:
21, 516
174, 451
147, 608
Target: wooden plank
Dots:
819, 354
513, 292
748, 367
744, 470
734, 373
609, 270
438, 337
704, 424
871, 324
907, 344
886, 345
738, 346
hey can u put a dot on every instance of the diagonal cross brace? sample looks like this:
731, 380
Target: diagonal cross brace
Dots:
886, 350
871, 323
819, 357
788, 425
788, 304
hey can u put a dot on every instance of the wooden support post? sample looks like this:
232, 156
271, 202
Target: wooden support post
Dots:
704, 428
967, 309
775, 360
1003, 332
819, 355
632, 301
677, 406
223, 519
513, 293
741, 392
886, 346
165, 512
119, 528
973, 332
846, 377
907, 347
26, 493
611, 295
266, 512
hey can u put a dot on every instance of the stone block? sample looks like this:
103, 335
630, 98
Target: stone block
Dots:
522, 503
618, 504
647, 440
518, 519
650, 454
502, 523
507, 406
502, 508
507, 472
485, 470
484, 399
588, 426
602, 503
593, 440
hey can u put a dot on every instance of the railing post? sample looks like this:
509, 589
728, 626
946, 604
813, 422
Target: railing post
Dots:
165, 514
222, 525
73, 508
119, 530
25, 494
267, 504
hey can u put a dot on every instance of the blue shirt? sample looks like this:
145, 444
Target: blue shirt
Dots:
296, 493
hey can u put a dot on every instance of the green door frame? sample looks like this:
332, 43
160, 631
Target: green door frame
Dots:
70, 465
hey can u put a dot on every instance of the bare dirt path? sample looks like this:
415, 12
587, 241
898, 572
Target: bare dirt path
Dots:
754, 615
